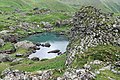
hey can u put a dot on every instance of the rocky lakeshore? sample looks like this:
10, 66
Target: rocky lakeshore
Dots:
92, 54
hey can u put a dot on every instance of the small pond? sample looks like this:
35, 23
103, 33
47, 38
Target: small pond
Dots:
57, 42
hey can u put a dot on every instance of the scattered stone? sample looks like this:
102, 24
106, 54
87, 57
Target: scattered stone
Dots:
36, 8
117, 64
38, 44
37, 48
10, 74
19, 55
59, 53
79, 74
96, 62
17, 60
47, 25
88, 67
46, 45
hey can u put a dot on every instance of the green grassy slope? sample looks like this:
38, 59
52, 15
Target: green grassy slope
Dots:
66, 5
9, 5
105, 5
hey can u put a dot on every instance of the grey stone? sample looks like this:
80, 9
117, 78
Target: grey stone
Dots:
35, 59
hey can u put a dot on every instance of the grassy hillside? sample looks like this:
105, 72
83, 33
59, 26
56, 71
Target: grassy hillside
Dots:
9, 5
65, 5
105, 5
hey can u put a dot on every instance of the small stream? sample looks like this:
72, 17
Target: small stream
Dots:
57, 42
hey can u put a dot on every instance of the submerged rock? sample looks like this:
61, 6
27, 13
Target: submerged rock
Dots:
47, 45
54, 51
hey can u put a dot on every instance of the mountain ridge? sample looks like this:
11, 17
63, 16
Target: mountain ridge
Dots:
66, 5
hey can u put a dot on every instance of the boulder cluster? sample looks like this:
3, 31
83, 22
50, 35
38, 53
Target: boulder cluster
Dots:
91, 27
22, 75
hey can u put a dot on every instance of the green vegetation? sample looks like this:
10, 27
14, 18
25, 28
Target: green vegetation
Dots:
31, 66
106, 53
52, 17
14, 12
7, 46
107, 75
59, 5
9, 5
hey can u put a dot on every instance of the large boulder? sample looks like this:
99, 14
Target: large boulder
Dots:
25, 44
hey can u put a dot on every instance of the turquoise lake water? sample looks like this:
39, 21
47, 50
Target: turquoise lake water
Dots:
56, 41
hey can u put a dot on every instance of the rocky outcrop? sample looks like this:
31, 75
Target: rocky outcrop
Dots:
91, 27
25, 45
5, 58
60, 23
77, 74
21, 75
8, 36
25, 26
46, 25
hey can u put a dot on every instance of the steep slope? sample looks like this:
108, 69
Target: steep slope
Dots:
9, 5
105, 5
112, 5
91, 28
66, 5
